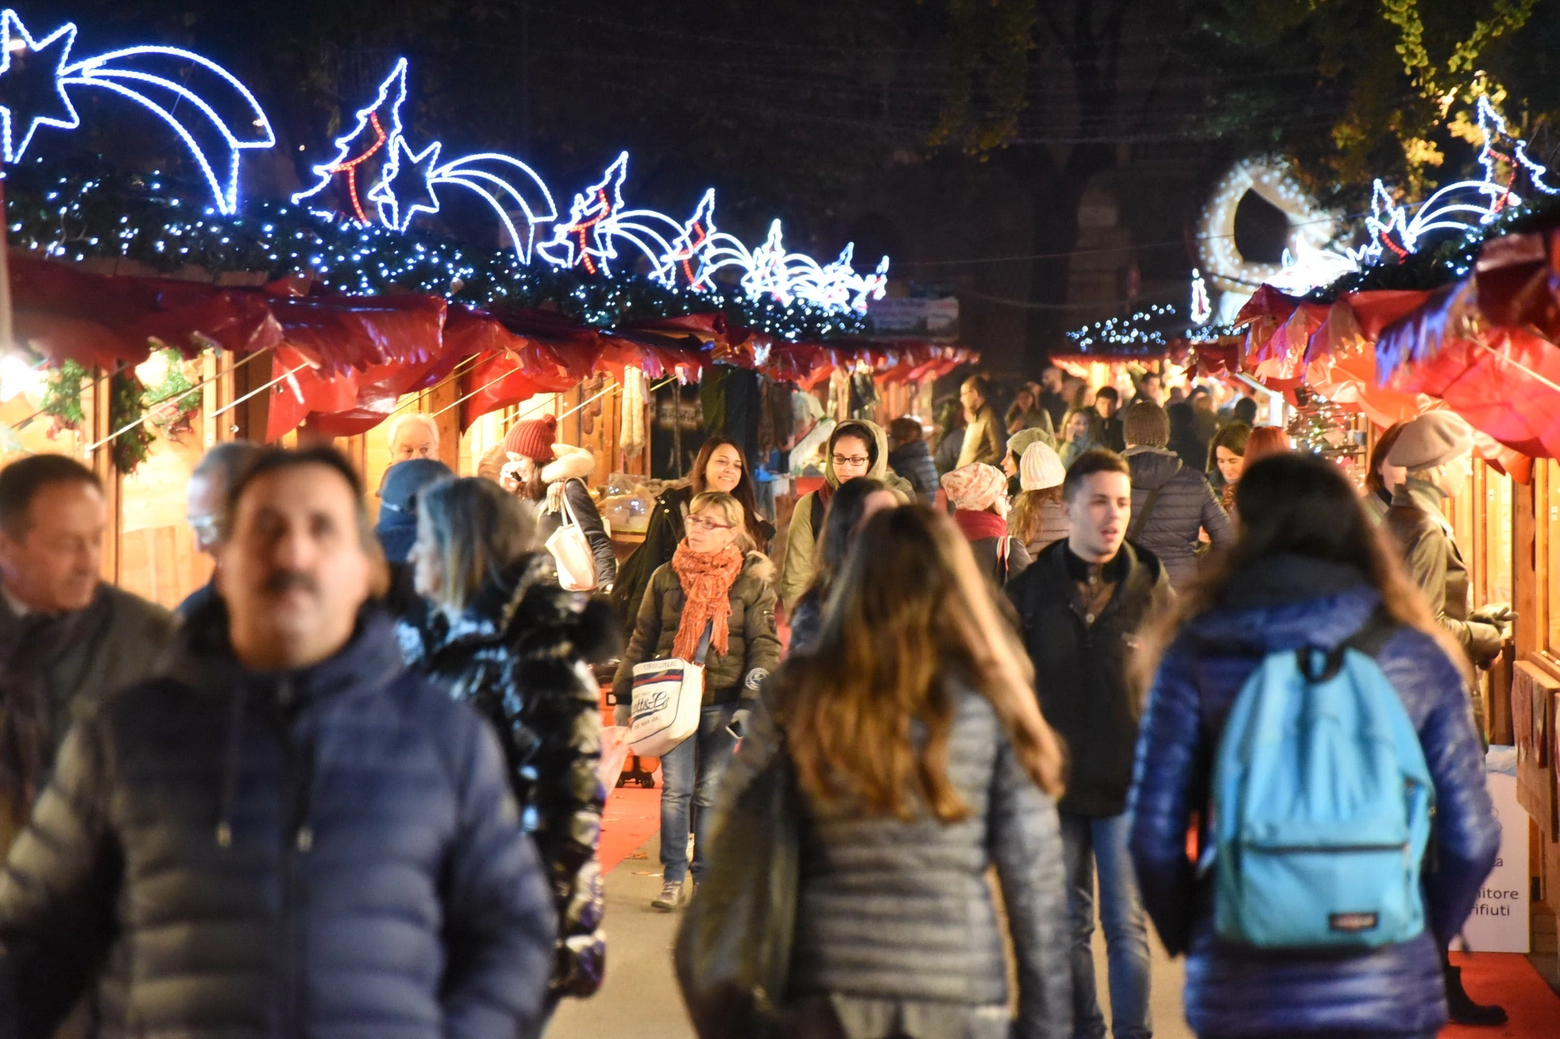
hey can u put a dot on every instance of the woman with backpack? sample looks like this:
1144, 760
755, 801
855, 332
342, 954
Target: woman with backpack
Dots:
1308, 573
921, 760
712, 605
501, 635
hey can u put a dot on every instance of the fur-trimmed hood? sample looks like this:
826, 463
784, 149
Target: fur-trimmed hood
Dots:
570, 463
760, 566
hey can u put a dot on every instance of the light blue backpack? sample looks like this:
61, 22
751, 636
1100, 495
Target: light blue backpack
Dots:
1321, 806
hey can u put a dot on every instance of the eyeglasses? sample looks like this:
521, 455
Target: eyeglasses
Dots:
700, 523
207, 528
851, 460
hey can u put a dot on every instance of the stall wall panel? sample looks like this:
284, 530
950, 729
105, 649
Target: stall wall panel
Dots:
1532, 710
158, 559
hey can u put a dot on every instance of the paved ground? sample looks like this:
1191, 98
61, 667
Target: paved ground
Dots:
640, 997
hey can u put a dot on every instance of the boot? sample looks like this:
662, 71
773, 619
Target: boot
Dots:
1464, 1011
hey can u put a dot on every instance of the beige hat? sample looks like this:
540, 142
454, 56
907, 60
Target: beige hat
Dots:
1431, 440
1040, 467
976, 487
1019, 442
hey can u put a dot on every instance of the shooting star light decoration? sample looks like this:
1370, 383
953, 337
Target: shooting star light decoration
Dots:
214, 114
597, 219
376, 126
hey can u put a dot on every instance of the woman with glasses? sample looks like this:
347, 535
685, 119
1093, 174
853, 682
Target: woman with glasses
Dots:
716, 593
719, 467
856, 449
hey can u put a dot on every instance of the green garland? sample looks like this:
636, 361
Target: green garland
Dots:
172, 401
104, 213
62, 400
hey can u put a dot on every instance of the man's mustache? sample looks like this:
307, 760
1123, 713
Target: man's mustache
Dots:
287, 580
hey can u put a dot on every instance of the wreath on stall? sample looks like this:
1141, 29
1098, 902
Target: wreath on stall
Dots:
130, 439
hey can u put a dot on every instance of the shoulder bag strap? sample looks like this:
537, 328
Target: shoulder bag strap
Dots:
704, 642
1142, 517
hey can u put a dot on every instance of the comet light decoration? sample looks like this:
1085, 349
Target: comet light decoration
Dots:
215, 116
376, 126
769, 269
502, 181
597, 220
1462, 206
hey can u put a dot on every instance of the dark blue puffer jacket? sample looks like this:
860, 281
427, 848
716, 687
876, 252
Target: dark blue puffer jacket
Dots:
332, 852
1237, 991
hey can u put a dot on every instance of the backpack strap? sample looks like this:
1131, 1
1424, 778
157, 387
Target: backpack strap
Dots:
815, 514
1141, 518
1374, 634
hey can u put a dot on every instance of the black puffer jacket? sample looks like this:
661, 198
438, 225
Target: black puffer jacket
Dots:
519, 655
913, 462
332, 853
896, 920
1184, 505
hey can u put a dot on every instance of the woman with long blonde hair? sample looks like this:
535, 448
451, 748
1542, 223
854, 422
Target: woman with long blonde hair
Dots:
922, 759
1309, 570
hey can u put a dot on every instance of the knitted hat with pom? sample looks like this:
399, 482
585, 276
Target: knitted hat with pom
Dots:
533, 438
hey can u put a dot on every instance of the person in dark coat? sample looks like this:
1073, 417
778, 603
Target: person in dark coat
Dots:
1308, 571
718, 467
506, 639
711, 583
396, 530
1436, 451
1107, 402
67, 638
289, 834
923, 766
1171, 501
910, 457
1080, 607
978, 494
548, 473
852, 505
209, 482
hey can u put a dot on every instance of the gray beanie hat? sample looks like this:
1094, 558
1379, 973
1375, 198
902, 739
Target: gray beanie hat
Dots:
1431, 440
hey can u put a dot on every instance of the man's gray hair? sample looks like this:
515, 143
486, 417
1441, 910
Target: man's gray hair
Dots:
414, 418
226, 462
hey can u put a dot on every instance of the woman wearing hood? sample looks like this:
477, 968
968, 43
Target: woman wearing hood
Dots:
856, 448
979, 496
532, 465
503, 637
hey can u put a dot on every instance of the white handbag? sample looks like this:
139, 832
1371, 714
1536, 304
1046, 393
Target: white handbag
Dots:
668, 695
571, 551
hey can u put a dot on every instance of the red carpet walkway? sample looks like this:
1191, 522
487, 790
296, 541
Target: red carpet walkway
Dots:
1509, 980
632, 817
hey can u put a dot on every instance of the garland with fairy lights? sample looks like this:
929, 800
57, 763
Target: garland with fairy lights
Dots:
108, 214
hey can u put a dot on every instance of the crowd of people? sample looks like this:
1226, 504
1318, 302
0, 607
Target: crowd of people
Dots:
353, 786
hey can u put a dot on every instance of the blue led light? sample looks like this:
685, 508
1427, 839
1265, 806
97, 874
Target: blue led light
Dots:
154, 77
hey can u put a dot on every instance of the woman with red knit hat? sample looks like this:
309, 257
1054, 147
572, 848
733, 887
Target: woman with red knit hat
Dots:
531, 464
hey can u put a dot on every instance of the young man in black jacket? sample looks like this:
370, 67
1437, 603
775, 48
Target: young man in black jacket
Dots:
288, 835
1081, 604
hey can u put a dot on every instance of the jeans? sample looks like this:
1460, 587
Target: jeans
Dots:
1090, 842
691, 771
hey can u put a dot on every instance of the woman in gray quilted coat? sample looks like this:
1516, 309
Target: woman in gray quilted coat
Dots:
923, 761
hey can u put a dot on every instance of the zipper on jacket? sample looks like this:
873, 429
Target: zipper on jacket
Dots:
292, 932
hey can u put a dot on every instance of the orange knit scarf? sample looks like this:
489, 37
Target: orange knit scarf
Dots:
706, 579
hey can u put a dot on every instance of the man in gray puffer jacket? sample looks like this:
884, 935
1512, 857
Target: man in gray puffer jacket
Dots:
1171, 503
290, 834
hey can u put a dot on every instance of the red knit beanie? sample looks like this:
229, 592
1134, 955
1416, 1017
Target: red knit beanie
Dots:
533, 438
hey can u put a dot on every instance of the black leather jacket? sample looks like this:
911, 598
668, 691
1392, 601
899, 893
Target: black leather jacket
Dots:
519, 655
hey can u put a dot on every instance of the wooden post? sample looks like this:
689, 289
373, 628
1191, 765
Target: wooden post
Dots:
95, 403
437, 400
247, 421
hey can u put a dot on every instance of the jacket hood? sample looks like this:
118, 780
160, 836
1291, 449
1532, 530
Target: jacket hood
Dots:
571, 463
879, 468
1285, 602
759, 565
1152, 467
